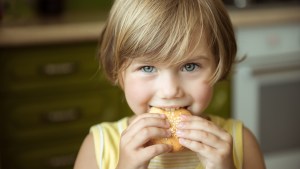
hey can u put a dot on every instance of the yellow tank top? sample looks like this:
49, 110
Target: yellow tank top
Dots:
107, 137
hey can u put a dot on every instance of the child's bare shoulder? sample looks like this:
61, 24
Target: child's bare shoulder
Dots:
86, 157
253, 157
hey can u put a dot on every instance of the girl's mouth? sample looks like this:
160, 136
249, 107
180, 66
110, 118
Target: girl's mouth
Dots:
170, 108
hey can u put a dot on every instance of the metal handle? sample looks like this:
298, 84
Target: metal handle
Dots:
273, 70
57, 69
63, 115
242, 3
61, 161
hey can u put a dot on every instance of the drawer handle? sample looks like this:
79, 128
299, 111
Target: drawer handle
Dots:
61, 161
60, 116
57, 69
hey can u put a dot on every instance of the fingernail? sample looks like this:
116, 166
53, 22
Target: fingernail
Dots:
182, 141
169, 133
162, 115
179, 132
180, 125
168, 123
182, 117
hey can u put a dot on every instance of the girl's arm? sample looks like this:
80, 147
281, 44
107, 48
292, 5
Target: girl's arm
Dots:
86, 157
253, 157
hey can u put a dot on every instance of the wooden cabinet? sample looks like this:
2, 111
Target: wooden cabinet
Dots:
221, 101
50, 96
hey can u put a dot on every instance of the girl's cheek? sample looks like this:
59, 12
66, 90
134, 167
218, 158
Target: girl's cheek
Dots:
137, 95
202, 98
207, 98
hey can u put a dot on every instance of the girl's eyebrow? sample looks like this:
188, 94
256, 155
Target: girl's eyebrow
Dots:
198, 57
191, 58
142, 60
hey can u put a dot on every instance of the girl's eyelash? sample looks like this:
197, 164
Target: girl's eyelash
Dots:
189, 67
147, 69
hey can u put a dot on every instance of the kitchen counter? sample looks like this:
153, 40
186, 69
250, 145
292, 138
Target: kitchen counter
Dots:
264, 16
61, 33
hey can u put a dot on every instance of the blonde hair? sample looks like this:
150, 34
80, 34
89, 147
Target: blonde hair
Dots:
164, 30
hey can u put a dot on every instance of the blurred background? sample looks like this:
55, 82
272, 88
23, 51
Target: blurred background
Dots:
52, 91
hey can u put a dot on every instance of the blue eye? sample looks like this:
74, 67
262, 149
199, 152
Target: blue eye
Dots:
190, 67
148, 69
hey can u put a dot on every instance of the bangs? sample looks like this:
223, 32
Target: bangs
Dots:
165, 37
166, 31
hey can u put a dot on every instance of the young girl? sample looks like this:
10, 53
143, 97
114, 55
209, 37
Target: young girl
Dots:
168, 54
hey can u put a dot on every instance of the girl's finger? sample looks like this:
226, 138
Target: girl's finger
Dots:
145, 115
198, 147
144, 135
143, 123
155, 150
201, 136
199, 123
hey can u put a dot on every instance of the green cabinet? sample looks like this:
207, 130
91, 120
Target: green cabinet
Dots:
50, 96
44, 68
221, 101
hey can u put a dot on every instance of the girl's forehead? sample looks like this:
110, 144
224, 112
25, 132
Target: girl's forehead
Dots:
199, 50
172, 62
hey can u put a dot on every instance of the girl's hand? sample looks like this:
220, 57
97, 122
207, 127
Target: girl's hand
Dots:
212, 144
134, 153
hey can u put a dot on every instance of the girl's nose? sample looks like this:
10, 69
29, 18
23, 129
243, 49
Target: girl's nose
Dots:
170, 87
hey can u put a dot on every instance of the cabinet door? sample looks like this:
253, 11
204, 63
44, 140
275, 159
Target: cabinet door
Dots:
221, 101
45, 68
50, 155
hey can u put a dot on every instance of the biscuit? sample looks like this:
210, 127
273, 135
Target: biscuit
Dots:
173, 116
